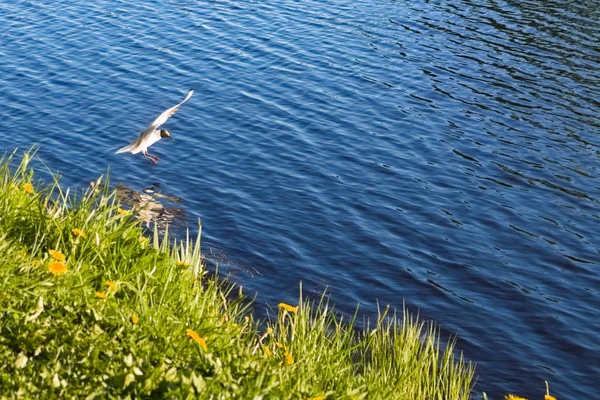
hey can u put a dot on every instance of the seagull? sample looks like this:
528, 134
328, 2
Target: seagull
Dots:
152, 134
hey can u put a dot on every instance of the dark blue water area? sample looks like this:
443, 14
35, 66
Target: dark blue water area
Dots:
441, 154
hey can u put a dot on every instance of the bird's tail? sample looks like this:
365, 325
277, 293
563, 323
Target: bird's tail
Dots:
124, 149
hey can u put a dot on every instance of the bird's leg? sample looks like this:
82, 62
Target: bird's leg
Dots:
151, 157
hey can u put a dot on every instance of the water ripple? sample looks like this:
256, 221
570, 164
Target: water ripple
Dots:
446, 153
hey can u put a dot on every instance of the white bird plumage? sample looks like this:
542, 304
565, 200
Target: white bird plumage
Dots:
152, 133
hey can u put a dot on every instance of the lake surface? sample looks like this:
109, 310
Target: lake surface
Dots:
441, 153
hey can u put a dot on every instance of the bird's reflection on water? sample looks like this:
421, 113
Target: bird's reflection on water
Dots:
151, 206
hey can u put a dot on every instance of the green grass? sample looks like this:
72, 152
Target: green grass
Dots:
195, 336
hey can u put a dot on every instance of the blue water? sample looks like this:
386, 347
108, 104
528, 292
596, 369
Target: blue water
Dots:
442, 153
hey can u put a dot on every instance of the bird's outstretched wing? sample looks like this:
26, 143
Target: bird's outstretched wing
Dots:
162, 118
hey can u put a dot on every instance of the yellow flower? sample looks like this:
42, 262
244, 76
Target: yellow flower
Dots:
111, 284
57, 268
79, 232
191, 333
57, 255
134, 319
317, 398
513, 397
287, 307
547, 395
28, 187
100, 295
268, 331
268, 352
183, 264
144, 240
289, 359
122, 212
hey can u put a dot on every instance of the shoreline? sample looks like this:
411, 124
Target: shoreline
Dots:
93, 308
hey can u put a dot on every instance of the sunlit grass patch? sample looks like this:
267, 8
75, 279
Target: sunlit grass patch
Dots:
131, 317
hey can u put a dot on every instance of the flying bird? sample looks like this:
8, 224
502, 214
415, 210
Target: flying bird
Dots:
152, 133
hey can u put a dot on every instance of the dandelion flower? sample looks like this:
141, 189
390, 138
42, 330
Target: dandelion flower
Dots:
79, 232
183, 264
134, 319
28, 187
287, 307
57, 255
111, 284
268, 352
57, 268
289, 359
191, 333
123, 212
100, 295
547, 395
513, 397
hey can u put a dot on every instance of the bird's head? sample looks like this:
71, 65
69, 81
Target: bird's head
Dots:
165, 134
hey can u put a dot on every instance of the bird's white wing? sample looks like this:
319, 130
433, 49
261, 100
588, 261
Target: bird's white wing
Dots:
162, 118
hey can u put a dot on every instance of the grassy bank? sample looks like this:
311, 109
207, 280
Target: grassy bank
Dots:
89, 308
